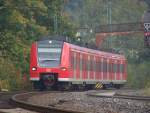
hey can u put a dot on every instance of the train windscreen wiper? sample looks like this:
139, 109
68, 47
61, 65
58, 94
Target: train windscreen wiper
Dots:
49, 60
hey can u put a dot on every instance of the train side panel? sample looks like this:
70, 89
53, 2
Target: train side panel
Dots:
92, 68
64, 73
34, 75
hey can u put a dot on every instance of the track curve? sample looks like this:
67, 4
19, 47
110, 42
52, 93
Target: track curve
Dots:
101, 101
20, 100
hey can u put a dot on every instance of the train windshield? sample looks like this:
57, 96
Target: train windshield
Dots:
49, 53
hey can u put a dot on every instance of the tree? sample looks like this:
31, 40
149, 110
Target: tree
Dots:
25, 21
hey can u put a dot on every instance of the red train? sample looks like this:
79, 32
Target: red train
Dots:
58, 64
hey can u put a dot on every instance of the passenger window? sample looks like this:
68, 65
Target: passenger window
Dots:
98, 64
101, 65
118, 68
94, 64
115, 68
81, 60
74, 60
88, 63
91, 63
122, 68
110, 67
105, 66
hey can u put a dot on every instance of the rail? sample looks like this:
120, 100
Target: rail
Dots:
20, 100
132, 97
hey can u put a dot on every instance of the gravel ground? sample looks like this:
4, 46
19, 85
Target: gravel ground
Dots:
79, 101
6, 107
132, 92
15, 110
4, 100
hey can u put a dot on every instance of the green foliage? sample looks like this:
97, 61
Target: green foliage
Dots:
10, 73
7, 42
21, 23
96, 12
92, 13
139, 74
24, 21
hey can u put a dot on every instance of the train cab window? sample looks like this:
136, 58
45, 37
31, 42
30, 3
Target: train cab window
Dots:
49, 53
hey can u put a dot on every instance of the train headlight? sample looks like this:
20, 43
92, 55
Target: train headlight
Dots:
50, 41
34, 69
63, 68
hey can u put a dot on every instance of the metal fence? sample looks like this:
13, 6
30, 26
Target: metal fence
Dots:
124, 27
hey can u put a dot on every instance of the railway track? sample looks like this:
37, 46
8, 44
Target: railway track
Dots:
80, 102
20, 100
123, 96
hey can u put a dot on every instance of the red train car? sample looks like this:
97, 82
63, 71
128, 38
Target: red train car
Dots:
54, 62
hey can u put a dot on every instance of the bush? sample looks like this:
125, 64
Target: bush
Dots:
139, 75
12, 75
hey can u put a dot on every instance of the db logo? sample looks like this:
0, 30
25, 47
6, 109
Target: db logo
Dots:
147, 26
48, 70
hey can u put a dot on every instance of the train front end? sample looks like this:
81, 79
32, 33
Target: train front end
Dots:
45, 60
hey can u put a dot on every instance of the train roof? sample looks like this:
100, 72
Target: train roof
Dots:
87, 50
92, 51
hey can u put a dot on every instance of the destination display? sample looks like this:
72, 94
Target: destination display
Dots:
50, 44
